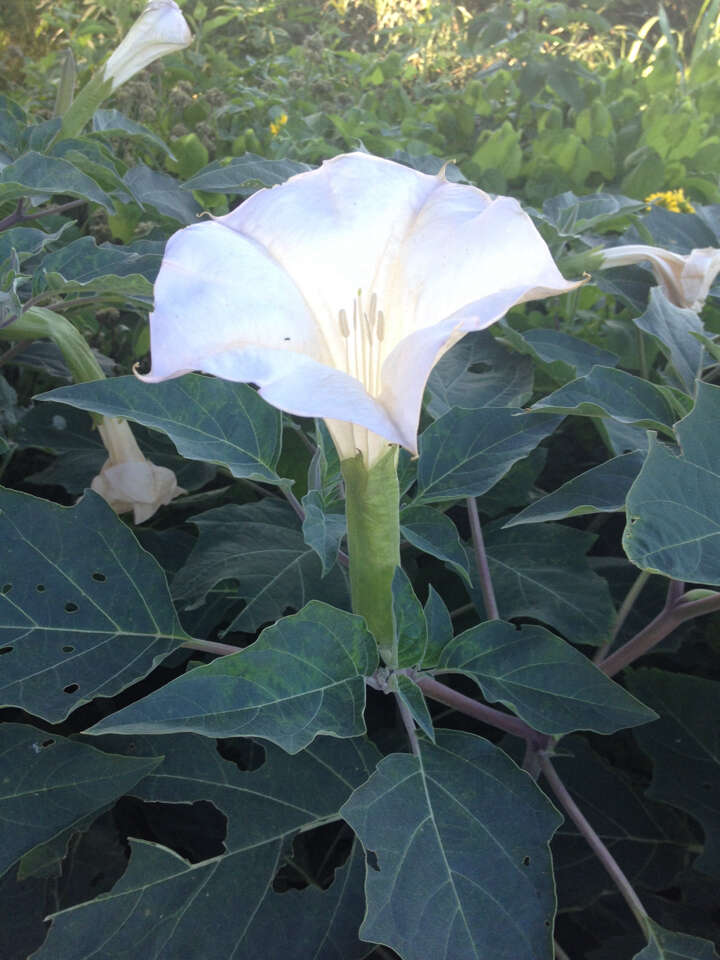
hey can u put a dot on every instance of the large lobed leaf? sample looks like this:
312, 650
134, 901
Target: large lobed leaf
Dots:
460, 836
304, 676
673, 507
84, 610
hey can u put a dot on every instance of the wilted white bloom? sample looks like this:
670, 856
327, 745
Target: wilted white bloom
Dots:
160, 29
338, 291
685, 279
128, 481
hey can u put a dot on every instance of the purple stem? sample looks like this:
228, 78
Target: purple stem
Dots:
594, 841
481, 561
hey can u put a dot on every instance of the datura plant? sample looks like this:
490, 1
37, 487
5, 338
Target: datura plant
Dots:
354, 693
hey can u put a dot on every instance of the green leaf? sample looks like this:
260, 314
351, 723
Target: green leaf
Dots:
163, 192
45, 176
683, 745
244, 174
175, 908
572, 216
303, 677
84, 610
207, 419
666, 945
439, 628
261, 549
606, 392
114, 123
83, 267
603, 489
542, 572
433, 532
673, 328
466, 452
27, 241
50, 784
322, 530
505, 381
554, 688
673, 507
464, 815
409, 624
560, 355
412, 696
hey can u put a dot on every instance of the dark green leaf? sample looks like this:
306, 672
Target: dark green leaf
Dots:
466, 452
683, 744
672, 328
561, 356
175, 909
303, 677
572, 216
439, 628
207, 419
433, 532
412, 696
163, 192
51, 784
244, 174
84, 611
666, 945
505, 381
541, 678
606, 392
113, 123
408, 621
83, 267
27, 241
466, 816
542, 572
602, 489
322, 531
260, 547
48, 176
674, 505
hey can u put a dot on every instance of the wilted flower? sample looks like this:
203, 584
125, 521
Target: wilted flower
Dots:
337, 292
160, 29
128, 481
685, 279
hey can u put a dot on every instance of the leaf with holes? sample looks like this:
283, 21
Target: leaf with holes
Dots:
674, 505
50, 784
683, 745
84, 610
207, 419
563, 357
303, 676
466, 816
541, 678
175, 908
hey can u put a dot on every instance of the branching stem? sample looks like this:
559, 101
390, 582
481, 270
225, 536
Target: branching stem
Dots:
622, 615
409, 725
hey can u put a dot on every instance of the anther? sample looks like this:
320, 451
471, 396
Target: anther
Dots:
380, 332
344, 328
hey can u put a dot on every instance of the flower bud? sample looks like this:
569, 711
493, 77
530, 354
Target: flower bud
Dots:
160, 29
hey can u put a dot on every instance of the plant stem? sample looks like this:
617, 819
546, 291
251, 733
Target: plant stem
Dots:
675, 612
481, 561
595, 843
18, 216
622, 615
480, 711
409, 725
211, 646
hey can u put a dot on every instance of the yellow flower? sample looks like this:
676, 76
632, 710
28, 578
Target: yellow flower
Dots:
278, 124
673, 200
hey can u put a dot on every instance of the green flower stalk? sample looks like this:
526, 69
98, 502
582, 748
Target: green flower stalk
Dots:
161, 29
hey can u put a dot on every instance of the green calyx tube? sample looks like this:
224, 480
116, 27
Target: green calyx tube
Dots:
373, 523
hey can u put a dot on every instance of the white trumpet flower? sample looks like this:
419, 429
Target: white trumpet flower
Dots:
685, 279
128, 481
338, 291
160, 29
